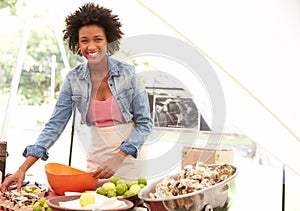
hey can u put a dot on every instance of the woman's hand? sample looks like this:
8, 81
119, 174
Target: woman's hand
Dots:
110, 166
16, 178
19, 176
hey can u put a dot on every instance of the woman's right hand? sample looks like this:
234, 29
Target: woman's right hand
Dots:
19, 176
16, 178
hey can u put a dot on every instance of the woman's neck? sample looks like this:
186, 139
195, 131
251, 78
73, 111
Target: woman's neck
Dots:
99, 69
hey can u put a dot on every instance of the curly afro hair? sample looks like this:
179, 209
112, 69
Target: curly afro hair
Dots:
89, 14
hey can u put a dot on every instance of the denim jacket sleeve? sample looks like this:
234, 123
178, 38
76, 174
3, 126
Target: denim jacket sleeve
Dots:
55, 125
141, 117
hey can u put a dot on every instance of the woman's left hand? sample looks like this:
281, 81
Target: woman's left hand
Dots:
109, 167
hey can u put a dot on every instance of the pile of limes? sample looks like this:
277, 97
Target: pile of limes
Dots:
119, 188
41, 205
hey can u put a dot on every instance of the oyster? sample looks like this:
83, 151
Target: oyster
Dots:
17, 200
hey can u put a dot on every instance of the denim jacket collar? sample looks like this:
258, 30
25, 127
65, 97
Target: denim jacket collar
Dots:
113, 66
84, 72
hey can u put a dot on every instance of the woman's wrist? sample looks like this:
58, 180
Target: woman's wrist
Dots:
123, 154
30, 160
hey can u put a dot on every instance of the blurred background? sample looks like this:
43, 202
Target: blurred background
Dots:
253, 47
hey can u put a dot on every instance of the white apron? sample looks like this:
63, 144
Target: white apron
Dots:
105, 143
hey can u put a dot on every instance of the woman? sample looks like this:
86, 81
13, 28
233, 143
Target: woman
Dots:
108, 95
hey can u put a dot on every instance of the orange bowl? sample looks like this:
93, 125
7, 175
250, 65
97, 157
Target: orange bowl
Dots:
63, 178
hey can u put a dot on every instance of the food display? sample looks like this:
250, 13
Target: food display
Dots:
191, 179
119, 188
30, 198
195, 187
114, 194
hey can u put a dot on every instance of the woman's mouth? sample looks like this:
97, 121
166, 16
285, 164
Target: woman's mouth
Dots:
93, 54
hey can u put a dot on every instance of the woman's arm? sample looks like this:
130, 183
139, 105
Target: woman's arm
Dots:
55, 125
51, 132
19, 176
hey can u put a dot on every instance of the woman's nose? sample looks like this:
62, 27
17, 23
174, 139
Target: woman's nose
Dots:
92, 46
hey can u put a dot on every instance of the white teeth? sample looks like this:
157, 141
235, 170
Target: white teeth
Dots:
93, 54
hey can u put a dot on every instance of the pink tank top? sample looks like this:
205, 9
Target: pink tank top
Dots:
105, 113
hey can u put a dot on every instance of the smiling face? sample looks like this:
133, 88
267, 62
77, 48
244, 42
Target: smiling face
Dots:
92, 42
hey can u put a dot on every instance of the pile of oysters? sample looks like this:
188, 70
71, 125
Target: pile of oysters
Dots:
190, 179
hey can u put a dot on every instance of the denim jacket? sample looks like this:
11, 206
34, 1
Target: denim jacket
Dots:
128, 91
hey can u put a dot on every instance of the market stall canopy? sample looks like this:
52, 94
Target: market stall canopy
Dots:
254, 48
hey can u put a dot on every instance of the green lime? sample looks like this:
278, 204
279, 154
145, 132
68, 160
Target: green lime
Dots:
87, 198
109, 186
121, 188
33, 188
130, 183
135, 188
128, 193
114, 179
142, 180
38, 208
45, 205
142, 185
28, 190
48, 209
101, 191
120, 181
111, 193
42, 201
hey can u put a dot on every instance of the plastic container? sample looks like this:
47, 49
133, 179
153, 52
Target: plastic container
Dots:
63, 178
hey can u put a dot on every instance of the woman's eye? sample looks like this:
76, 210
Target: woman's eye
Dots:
98, 39
83, 41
